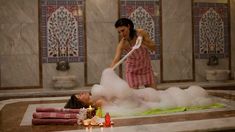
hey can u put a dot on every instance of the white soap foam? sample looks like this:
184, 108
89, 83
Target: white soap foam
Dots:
123, 100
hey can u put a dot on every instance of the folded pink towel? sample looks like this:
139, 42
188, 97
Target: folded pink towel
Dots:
54, 115
54, 121
63, 110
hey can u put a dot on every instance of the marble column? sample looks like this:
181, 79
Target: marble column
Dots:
177, 61
232, 23
19, 43
102, 37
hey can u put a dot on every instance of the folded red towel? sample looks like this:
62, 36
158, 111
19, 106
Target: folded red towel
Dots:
63, 110
54, 121
54, 115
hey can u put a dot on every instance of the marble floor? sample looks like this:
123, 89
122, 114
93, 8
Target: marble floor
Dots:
16, 115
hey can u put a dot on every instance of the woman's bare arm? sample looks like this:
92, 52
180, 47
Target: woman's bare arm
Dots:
118, 53
146, 40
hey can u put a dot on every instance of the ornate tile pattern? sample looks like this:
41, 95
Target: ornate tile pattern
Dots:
211, 34
62, 30
146, 15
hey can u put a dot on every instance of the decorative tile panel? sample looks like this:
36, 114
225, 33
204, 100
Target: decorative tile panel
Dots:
145, 14
62, 30
211, 34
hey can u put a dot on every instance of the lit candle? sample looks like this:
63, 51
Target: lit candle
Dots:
90, 108
89, 111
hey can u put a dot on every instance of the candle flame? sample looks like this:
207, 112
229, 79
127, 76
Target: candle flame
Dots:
90, 108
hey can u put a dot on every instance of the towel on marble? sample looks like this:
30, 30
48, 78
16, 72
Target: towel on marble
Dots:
54, 121
180, 109
62, 110
55, 115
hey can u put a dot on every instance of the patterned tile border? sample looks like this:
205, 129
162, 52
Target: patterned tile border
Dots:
62, 30
211, 30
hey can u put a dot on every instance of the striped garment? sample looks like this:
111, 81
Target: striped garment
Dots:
36, 121
138, 68
62, 110
54, 115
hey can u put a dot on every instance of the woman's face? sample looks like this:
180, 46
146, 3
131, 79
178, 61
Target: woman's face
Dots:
84, 97
124, 31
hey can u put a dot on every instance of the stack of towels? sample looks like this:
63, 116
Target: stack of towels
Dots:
58, 116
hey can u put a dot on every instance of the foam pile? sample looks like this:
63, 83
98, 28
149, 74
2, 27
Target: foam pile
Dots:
123, 100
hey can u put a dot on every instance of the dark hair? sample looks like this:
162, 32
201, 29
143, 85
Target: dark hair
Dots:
125, 22
75, 103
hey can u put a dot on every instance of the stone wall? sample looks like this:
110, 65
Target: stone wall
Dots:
19, 52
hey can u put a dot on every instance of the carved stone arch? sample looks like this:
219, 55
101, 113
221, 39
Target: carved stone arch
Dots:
62, 34
211, 33
142, 19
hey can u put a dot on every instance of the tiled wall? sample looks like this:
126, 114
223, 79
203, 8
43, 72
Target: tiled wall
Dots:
145, 14
62, 30
222, 50
211, 29
19, 43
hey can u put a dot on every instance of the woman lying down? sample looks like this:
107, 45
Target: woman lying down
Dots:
116, 97
83, 100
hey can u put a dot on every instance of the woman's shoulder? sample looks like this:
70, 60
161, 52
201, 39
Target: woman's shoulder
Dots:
140, 31
123, 44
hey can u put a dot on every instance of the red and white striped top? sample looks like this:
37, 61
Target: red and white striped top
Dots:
138, 68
